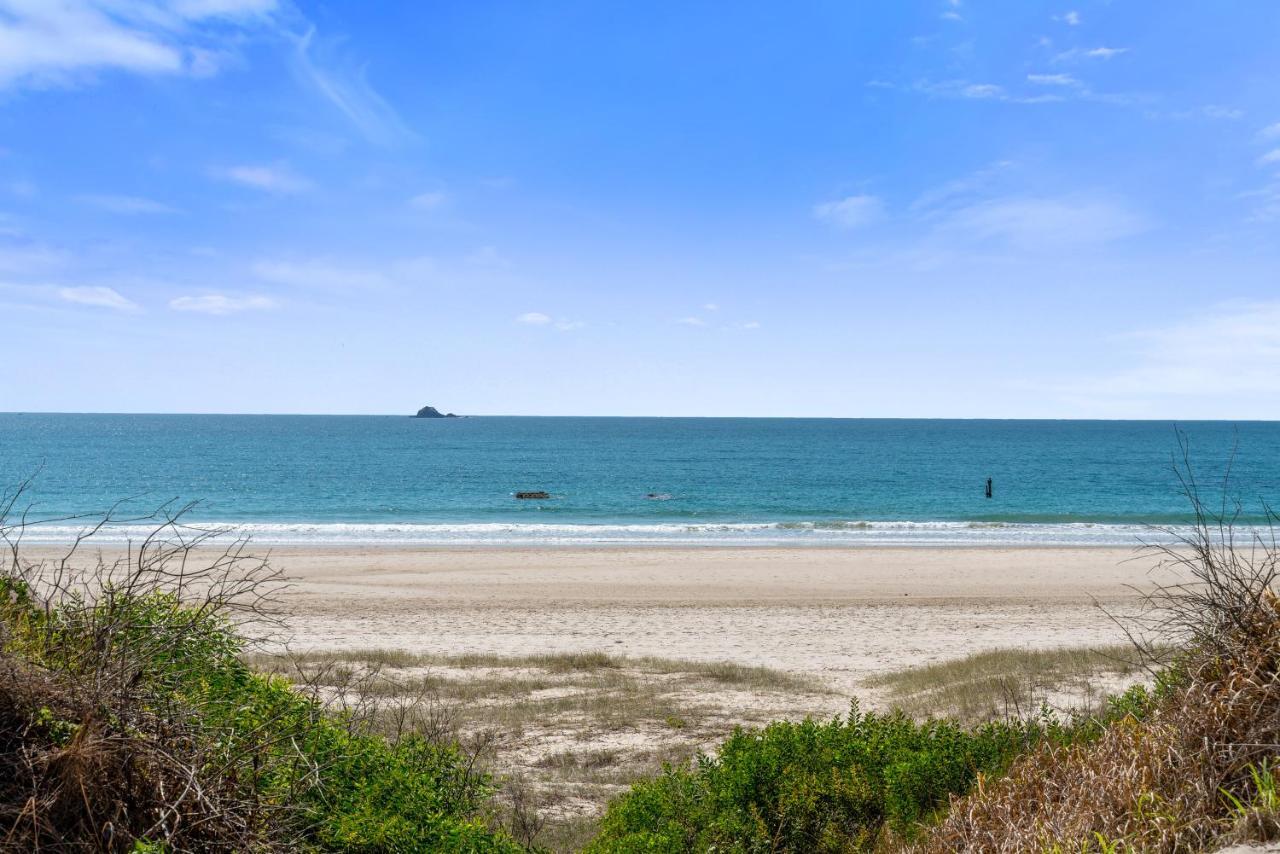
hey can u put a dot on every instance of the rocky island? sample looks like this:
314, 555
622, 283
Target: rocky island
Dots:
432, 412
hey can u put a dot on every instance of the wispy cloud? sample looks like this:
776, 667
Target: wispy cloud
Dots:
1208, 111
974, 91
537, 318
428, 201
64, 42
279, 179
1049, 89
1071, 19
1029, 222
1053, 79
967, 187
1218, 111
850, 212
346, 87
98, 297
489, 258
128, 205
691, 321
1231, 348
1265, 202
1272, 156
320, 274
981, 91
221, 304
1270, 132
1080, 53
26, 257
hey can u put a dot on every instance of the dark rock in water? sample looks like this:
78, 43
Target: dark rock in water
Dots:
432, 412
528, 495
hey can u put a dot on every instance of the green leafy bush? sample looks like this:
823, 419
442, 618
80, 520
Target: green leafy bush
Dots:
149, 698
810, 786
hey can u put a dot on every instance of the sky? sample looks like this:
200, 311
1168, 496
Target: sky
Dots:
945, 208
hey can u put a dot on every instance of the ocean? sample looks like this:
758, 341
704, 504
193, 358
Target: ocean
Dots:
400, 480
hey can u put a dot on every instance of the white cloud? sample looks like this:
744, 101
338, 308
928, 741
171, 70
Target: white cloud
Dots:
952, 16
1053, 79
1270, 131
428, 201
1062, 88
537, 318
691, 321
981, 91
969, 90
98, 296
126, 204
1232, 348
346, 87
488, 257
63, 42
851, 211
28, 258
223, 8
1266, 202
1272, 156
711, 307
221, 304
271, 179
1039, 222
751, 324
1071, 19
958, 189
320, 274
1218, 111
1078, 53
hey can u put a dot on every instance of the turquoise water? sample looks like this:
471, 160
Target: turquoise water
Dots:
398, 479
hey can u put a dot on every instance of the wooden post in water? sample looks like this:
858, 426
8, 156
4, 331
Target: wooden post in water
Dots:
988, 487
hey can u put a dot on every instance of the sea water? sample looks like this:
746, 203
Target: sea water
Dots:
393, 479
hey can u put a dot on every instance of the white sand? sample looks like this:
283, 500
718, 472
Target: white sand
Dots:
843, 614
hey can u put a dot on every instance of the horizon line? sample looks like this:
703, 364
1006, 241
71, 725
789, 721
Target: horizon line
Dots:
654, 417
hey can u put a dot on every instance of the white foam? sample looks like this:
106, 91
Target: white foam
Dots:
817, 533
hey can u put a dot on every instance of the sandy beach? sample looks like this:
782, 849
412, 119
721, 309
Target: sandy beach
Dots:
841, 614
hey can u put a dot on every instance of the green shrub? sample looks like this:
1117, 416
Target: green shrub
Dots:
165, 680
810, 786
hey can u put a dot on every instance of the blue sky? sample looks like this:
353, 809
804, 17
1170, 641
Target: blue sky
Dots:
943, 208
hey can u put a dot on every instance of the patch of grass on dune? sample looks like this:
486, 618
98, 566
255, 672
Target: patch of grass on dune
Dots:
1008, 682
726, 672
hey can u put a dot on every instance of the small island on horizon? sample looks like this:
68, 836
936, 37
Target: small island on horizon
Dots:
432, 412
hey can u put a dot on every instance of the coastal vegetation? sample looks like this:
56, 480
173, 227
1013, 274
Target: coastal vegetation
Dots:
139, 711
130, 722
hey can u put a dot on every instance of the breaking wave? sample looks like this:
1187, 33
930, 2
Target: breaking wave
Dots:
816, 533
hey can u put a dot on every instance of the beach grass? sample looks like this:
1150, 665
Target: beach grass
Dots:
564, 732
1003, 683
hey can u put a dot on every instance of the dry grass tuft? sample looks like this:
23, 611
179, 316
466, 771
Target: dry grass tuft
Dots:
1195, 766
1011, 683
